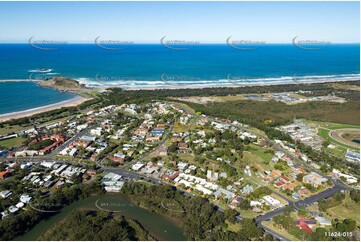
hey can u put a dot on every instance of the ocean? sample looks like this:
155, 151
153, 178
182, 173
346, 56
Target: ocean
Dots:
154, 65
19, 96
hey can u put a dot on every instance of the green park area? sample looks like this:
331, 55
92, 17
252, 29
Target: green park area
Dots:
7, 129
324, 129
265, 154
348, 209
14, 142
272, 226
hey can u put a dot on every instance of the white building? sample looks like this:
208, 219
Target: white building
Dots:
25, 198
256, 204
73, 152
137, 166
97, 131
271, 201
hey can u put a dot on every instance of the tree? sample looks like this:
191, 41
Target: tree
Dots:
300, 177
355, 195
302, 211
230, 215
325, 144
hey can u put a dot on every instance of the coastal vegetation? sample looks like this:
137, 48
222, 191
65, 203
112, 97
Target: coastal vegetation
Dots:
278, 113
15, 225
53, 114
96, 225
199, 219
61, 83
40, 145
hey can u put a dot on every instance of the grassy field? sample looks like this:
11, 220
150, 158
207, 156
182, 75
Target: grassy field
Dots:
14, 142
283, 232
323, 131
246, 214
348, 209
261, 152
229, 98
7, 129
333, 126
337, 151
344, 86
249, 157
233, 227
180, 128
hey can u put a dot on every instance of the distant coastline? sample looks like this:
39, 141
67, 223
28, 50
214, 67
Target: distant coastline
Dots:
163, 84
19, 80
79, 99
215, 85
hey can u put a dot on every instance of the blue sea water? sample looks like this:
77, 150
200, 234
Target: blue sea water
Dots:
19, 96
153, 65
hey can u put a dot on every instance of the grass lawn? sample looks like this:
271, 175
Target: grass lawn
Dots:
186, 157
17, 128
348, 209
323, 131
229, 98
261, 152
56, 120
333, 126
256, 130
180, 128
144, 182
233, 227
271, 225
250, 158
337, 151
14, 142
7, 129
247, 214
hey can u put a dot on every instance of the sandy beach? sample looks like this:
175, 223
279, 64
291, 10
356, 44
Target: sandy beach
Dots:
78, 99
26, 113
234, 85
18, 80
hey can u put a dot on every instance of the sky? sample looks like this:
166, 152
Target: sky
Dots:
206, 22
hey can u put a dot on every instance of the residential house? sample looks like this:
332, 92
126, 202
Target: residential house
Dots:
314, 179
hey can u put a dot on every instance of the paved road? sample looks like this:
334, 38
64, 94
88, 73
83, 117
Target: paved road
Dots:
66, 143
133, 175
273, 233
295, 159
305, 202
338, 185
155, 149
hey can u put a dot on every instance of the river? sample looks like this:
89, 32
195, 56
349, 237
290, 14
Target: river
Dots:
158, 226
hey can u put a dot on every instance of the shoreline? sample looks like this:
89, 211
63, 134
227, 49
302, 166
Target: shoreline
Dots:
75, 101
79, 99
253, 84
222, 83
18, 80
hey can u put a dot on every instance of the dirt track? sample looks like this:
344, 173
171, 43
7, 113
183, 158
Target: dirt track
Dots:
337, 135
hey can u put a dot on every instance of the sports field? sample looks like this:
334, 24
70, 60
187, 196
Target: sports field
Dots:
340, 135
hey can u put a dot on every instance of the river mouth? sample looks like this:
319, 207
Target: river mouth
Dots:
160, 227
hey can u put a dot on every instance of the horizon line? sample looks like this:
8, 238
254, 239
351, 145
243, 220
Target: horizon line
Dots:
158, 43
